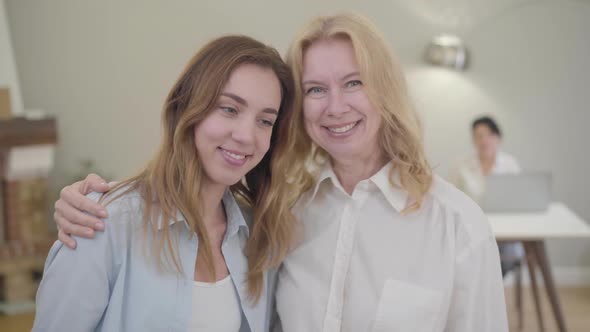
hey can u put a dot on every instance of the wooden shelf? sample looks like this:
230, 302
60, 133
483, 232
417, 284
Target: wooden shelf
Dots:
24, 235
21, 131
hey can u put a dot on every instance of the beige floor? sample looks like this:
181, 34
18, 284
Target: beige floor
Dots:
575, 301
575, 304
17, 323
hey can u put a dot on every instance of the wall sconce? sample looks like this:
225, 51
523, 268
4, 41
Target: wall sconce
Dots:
447, 51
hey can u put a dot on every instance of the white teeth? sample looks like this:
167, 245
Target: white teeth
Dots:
233, 155
342, 129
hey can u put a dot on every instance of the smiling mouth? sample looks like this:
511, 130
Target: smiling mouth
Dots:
343, 129
233, 155
234, 158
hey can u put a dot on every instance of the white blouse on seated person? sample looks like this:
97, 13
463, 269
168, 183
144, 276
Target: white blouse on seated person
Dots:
362, 265
468, 176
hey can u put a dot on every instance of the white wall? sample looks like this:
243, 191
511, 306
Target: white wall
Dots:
530, 70
8, 74
105, 67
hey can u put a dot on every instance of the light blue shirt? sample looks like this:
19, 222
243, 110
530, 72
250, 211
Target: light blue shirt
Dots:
107, 284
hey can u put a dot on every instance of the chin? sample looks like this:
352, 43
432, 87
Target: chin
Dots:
226, 180
342, 152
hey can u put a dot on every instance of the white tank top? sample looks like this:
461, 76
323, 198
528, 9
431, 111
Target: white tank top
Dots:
215, 307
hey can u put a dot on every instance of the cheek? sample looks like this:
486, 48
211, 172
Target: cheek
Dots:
209, 134
371, 113
312, 111
263, 141
213, 128
198, 135
479, 140
311, 123
362, 99
488, 141
488, 145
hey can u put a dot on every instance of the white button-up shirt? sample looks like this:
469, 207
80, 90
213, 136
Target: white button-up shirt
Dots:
363, 266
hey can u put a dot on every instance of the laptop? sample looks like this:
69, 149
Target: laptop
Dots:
517, 193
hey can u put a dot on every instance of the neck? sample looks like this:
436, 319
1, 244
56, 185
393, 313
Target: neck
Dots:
351, 171
212, 207
487, 163
487, 159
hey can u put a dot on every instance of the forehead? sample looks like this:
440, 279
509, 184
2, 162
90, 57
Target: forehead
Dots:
329, 57
255, 84
482, 129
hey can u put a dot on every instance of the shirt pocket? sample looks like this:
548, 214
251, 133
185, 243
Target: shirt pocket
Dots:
406, 307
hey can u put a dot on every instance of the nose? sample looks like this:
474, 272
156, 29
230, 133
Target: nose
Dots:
244, 130
337, 105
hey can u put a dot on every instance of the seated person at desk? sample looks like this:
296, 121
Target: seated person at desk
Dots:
470, 176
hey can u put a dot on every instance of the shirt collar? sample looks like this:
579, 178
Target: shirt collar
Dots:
326, 172
235, 216
499, 161
395, 195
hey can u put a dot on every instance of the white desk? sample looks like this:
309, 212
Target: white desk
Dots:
557, 222
532, 229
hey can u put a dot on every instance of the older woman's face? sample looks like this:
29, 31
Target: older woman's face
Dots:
486, 141
337, 112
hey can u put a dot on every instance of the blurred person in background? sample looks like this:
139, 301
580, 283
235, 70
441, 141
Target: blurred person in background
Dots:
470, 175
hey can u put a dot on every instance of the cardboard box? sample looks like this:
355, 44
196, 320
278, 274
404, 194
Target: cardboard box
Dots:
5, 110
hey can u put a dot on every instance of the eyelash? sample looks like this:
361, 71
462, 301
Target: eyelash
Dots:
229, 110
348, 84
312, 88
232, 111
267, 123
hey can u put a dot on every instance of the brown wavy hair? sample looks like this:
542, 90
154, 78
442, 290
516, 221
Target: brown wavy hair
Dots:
171, 182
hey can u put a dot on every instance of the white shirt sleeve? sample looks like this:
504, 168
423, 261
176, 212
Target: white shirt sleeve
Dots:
478, 302
455, 175
507, 164
274, 320
514, 166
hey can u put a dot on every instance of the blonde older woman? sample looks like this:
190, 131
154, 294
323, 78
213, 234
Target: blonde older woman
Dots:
383, 244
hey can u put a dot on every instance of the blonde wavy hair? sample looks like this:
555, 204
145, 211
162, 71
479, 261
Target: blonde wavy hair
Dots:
400, 133
171, 182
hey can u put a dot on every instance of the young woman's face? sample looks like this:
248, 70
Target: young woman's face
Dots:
337, 112
235, 136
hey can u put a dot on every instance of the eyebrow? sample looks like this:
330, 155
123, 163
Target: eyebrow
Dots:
271, 111
345, 77
312, 82
356, 73
236, 98
244, 103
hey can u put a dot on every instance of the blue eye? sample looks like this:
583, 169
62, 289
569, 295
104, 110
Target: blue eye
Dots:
315, 89
267, 123
229, 110
353, 83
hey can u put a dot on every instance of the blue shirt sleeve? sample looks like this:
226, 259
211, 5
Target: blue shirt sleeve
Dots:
76, 284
